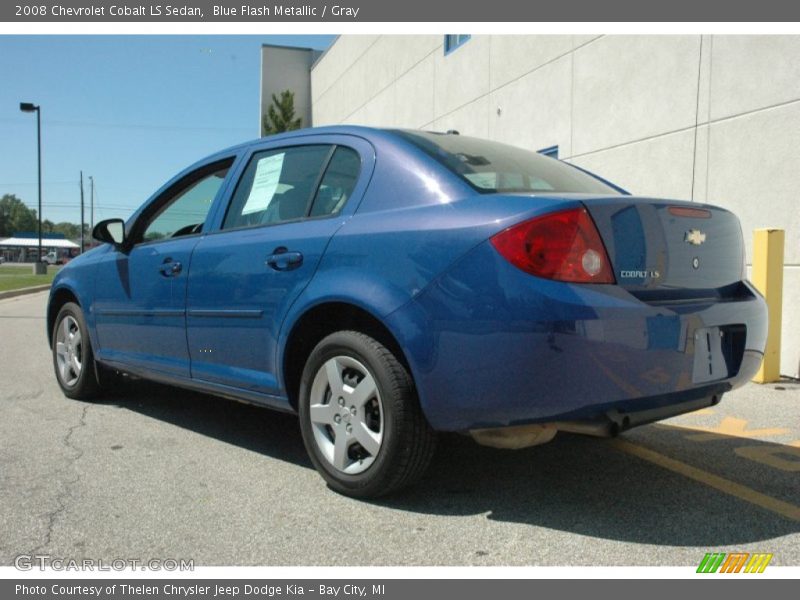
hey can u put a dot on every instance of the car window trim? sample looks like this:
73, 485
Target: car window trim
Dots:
278, 224
320, 176
155, 207
169, 239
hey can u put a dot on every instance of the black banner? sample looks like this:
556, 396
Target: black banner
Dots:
391, 589
400, 11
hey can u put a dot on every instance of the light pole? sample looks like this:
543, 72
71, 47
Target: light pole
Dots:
83, 243
39, 268
91, 204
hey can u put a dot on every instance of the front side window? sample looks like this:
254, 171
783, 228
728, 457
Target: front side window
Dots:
491, 167
186, 212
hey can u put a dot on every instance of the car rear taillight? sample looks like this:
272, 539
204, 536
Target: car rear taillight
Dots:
564, 246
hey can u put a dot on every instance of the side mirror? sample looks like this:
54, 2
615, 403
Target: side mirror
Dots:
110, 231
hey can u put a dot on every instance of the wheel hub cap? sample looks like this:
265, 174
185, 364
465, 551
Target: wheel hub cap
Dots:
69, 351
346, 414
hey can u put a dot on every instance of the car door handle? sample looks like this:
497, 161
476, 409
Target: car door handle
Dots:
170, 268
282, 259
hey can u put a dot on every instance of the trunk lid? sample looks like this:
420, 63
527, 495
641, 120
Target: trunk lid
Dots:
670, 250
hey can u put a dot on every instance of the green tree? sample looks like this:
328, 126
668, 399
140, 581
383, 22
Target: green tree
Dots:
280, 115
15, 216
71, 231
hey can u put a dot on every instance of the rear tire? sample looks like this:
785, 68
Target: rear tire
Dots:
73, 359
360, 417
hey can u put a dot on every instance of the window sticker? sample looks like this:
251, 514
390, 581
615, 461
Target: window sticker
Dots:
265, 183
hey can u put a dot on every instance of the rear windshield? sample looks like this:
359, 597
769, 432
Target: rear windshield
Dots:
490, 167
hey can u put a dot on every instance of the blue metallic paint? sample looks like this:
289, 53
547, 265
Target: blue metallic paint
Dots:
487, 344
140, 314
491, 346
241, 352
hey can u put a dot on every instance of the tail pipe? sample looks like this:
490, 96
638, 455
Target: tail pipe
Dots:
609, 425
615, 422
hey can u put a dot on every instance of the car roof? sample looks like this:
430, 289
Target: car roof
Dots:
376, 136
372, 134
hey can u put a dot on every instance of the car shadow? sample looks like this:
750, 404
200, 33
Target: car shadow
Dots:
587, 486
268, 432
575, 484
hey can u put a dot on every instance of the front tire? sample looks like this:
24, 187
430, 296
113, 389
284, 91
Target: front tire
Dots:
73, 358
360, 417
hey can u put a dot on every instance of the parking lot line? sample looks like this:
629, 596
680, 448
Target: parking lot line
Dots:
785, 509
731, 427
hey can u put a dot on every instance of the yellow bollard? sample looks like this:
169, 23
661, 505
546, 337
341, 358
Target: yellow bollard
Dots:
768, 279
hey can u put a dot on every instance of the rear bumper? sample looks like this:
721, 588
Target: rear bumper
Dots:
491, 346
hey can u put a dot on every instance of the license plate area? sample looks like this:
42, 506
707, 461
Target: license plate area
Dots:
718, 352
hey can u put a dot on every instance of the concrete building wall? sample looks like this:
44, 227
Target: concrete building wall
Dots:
711, 118
287, 68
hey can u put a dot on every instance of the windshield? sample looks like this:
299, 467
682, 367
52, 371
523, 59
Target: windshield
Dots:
491, 167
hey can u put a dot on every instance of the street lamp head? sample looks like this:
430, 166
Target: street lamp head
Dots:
28, 107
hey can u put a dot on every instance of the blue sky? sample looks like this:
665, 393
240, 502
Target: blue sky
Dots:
129, 110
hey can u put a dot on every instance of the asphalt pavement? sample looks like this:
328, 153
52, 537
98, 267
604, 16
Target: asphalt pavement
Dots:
153, 472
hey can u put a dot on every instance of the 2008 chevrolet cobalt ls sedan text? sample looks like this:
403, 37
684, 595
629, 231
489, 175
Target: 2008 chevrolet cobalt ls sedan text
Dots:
390, 284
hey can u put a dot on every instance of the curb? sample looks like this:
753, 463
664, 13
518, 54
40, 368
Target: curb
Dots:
23, 291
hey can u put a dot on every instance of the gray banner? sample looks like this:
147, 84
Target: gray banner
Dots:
393, 589
400, 10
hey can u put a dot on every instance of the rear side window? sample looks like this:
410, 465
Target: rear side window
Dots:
277, 186
491, 167
338, 183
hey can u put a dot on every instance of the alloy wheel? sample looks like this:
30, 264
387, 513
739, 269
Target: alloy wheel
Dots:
346, 414
69, 351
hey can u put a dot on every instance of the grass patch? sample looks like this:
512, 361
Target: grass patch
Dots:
16, 277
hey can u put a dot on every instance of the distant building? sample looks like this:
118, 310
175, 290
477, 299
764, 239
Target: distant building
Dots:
287, 68
711, 118
22, 246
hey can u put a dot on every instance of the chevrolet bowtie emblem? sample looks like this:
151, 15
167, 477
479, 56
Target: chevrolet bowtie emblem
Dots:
695, 237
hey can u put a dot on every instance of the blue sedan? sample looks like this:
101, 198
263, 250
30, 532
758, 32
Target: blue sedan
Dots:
387, 285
